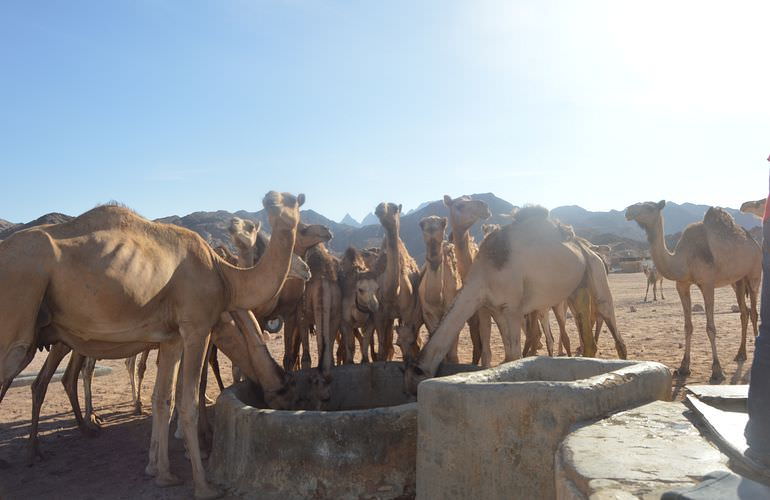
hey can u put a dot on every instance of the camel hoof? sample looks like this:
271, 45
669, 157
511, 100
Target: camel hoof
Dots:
168, 479
209, 401
138, 410
90, 429
34, 454
151, 470
682, 371
207, 493
716, 377
741, 356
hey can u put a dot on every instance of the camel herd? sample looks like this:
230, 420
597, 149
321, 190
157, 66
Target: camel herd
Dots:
110, 284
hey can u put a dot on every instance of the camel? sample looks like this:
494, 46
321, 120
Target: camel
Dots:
397, 288
440, 281
323, 304
487, 229
711, 253
464, 212
526, 266
251, 244
756, 207
359, 304
110, 284
652, 279
136, 375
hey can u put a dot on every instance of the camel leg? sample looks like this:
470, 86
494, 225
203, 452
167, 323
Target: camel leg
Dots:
193, 362
711, 330
683, 289
214, 362
655, 291
70, 383
485, 335
205, 429
607, 315
510, 328
131, 369
91, 419
560, 313
582, 309
753, 294
661, 291
348, 342
289, 332
531, 335
647, 292
366, 341
473, 326
545, 325
740, 295
304, 333
141, 368
158, 465
39, 388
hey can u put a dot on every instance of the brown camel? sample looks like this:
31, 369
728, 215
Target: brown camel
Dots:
710, 254
286, 305
440, 280
464, 212
359, 304
110, 284
398, 285
323, 304
526, 266
756, 207
652, 279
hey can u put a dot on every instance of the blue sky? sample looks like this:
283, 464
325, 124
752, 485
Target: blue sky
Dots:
178, 106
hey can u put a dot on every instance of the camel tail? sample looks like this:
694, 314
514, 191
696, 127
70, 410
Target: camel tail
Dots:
465, 305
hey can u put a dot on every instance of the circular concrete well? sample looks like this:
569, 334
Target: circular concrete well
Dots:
363, 445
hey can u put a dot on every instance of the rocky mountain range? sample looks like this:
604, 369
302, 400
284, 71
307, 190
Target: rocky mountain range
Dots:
608, 227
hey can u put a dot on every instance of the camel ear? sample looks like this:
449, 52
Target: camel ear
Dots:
661, 204
300, 199
443, 222
447, 200
422, 224
399, 208
257, 226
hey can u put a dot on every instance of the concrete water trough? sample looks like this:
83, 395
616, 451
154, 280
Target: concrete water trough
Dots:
494, 433
362, 446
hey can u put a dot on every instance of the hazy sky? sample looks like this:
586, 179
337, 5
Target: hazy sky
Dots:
178, 106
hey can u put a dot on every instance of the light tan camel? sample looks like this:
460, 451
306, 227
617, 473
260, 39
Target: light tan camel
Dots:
110, 284
652, 279
251, 244
359, 304
440, 280
136, 376
464, 212
526, 266
710, 254
756, 207
323, 304
398, 285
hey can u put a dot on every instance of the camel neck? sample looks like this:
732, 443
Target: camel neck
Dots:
461, 238
666, 263
253, 287
392, 264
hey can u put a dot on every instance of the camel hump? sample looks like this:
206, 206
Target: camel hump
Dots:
530, 212
719, 221
321, 263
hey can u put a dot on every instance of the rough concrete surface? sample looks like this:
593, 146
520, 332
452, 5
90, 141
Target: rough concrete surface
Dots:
638, 453
363, 448
493, 434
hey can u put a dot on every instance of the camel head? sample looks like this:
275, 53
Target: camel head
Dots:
366, 292
413, 375
311, 234
464, 211
370, 256
389, 215
244, 232
299, 268
433, 229
646, 213
754, 207
283, 209
488, 229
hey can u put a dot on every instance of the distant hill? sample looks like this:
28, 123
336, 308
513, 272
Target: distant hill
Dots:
350, 221
52, 218
369, 219
601, 228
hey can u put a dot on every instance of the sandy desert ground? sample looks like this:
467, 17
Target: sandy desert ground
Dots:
112, 464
